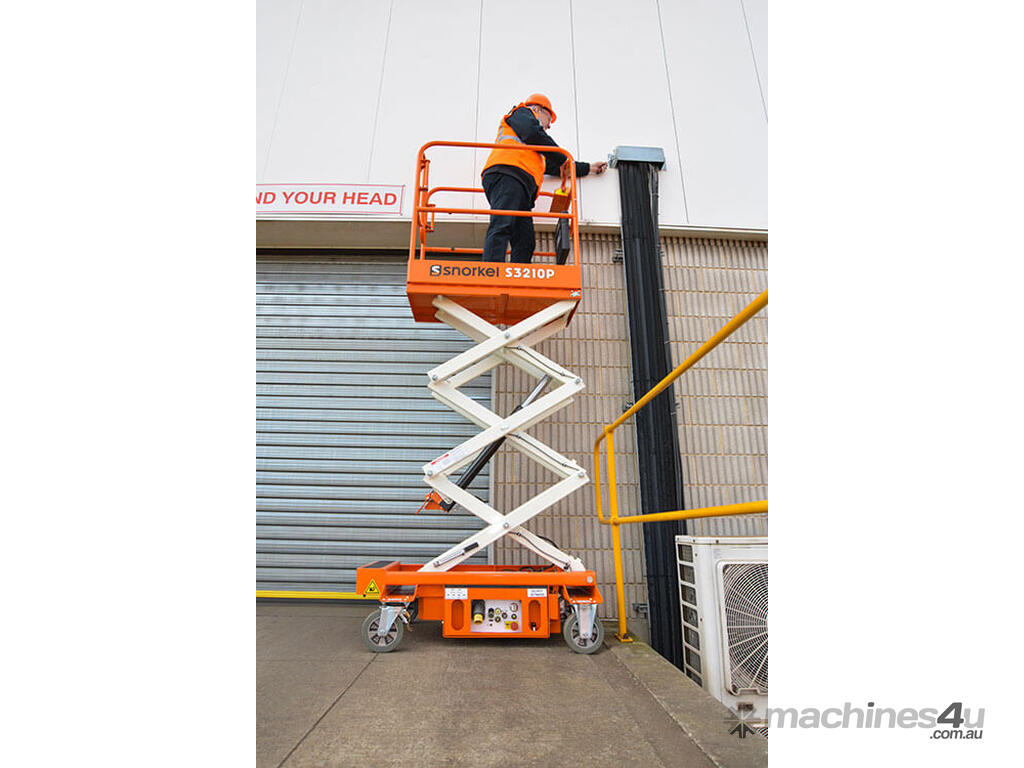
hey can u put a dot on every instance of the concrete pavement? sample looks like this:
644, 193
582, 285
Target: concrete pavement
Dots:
322, 699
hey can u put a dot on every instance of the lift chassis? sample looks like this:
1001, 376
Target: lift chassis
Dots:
483, 601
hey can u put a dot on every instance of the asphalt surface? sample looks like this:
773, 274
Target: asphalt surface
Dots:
323, 699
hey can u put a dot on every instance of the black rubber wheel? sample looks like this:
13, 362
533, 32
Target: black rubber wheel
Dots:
571, 633
414, 610
384, 644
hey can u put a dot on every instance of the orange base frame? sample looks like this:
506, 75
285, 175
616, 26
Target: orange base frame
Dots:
447, 596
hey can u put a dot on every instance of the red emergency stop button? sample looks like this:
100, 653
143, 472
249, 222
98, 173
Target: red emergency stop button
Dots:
515, 625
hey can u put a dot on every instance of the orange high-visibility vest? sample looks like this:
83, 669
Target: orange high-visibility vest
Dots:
530, 161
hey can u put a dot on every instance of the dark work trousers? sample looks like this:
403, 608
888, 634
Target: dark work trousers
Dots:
506, 193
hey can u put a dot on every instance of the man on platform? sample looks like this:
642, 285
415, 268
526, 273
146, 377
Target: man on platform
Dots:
512, 178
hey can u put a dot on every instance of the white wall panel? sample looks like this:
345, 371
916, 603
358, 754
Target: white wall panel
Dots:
756, 13
325, 119
723, 133
428, 93
506, 80
275, 33
623, 98
348, 90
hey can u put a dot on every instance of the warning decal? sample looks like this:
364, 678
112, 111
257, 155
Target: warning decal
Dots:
314, 199
372, 590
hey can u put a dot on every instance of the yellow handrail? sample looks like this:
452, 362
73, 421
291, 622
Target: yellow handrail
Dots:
748, 508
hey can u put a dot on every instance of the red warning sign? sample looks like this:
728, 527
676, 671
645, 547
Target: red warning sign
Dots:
329, 198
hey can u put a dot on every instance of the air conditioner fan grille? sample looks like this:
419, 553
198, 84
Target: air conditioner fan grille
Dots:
746, 624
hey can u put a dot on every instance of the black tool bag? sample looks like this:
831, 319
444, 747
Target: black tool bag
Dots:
563, 241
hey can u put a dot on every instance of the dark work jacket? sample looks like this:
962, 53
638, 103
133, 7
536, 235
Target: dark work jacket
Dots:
528, 129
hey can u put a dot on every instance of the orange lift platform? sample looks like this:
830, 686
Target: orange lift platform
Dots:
507, 309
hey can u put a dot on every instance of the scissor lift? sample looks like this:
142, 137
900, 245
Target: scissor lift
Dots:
507, 309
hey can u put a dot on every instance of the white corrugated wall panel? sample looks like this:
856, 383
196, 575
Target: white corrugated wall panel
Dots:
345, 423
347, 90
623, 99
324, 122
276, 22
719, 116
506, 80
755, 13
428, 92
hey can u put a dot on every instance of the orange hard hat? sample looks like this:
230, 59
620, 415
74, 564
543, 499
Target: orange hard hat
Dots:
541, 101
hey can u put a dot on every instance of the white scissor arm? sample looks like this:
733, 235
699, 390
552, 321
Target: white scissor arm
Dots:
494, 347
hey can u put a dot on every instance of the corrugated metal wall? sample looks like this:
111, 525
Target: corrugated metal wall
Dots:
345, 421
722, 402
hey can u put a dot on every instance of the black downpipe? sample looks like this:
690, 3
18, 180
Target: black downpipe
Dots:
661, 477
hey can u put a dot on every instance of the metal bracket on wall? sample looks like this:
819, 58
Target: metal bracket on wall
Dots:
652, 155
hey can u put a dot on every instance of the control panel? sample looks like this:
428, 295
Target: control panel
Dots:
498, 616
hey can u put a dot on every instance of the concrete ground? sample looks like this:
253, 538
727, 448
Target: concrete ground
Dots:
323, 699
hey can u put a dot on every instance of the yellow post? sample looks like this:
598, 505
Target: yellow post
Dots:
613, 516
613, 494
620, 592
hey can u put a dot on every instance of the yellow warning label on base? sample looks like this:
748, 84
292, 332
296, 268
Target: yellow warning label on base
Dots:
372, 590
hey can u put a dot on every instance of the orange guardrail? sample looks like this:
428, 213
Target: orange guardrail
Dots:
498, 292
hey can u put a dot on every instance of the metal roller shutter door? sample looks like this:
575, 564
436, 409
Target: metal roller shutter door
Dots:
345, 421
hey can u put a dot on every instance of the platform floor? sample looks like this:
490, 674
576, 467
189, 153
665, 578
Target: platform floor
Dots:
322, 699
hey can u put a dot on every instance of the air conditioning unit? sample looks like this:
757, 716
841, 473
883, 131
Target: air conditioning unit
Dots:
723, 587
